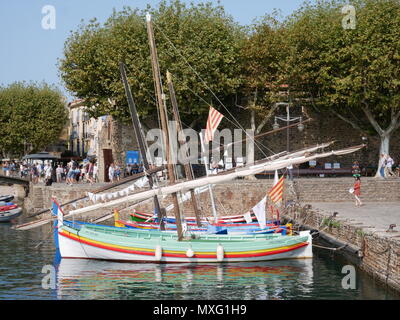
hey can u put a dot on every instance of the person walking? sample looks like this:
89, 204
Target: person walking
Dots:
355, 170
389, 167
59, 172
48, 175
90, 172
357, 191
382, 165
34, 174
117, 172
111, 172
289, 170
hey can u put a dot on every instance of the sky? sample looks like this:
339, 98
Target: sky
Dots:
31, 45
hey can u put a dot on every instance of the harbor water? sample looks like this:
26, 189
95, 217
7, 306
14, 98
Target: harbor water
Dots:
30, 270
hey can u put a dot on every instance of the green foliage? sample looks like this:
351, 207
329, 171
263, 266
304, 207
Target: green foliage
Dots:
263, 57
352, 72
202, 34
331, 223
30, 114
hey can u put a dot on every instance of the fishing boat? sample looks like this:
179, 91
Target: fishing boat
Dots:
6, 198
121, 244
9, 215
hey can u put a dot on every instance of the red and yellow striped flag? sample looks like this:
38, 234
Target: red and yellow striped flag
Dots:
276, 193
214, 119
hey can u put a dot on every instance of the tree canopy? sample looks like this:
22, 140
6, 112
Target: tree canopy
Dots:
30, 113
192, 41
352, 72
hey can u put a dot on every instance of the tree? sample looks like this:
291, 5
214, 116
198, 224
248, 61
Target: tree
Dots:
353, 73
30, 113
262, 58
191, 40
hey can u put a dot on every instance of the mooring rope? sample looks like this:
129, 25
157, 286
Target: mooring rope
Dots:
332, 249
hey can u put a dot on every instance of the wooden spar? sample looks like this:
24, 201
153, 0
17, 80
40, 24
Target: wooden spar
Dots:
164, 121
179, 129
222, 147
105, 188
140, 139
210, 190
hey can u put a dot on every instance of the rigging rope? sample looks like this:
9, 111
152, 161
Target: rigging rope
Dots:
205, 84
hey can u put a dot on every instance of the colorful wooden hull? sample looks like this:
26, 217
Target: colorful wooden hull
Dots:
121, 244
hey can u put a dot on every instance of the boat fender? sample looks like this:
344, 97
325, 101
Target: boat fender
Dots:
158, 253
189, 253
220, 253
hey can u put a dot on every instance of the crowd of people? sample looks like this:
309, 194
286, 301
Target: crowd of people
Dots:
44, 171
70, 173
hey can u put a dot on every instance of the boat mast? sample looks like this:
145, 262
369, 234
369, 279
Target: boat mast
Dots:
179, 128
206, 166
164, 120
140, 139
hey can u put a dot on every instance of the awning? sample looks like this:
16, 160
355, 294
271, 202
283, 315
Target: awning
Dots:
40, 156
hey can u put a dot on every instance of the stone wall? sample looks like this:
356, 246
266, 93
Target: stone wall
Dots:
379, 253
326, 127
235, 197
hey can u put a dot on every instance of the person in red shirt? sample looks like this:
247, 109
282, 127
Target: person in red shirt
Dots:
357, 191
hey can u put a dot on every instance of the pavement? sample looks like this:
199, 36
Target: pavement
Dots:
374, 217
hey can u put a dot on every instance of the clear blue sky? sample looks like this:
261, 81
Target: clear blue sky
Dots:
29, 52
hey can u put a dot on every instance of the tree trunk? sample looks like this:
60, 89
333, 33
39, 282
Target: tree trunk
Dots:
384, 149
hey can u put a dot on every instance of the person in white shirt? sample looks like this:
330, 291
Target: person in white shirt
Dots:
290, 171
111, 173
59, 172
95, 171
39, 169
389, 167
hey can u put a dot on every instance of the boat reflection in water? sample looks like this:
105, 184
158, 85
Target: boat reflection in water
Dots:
90, 279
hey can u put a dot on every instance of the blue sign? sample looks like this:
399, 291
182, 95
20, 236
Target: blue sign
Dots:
132, 157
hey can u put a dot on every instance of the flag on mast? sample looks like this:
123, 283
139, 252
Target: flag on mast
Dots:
276, 193
214, 119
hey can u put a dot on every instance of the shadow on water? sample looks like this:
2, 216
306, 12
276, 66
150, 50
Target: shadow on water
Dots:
22, 261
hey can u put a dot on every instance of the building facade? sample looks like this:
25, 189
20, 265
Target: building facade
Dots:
102, 138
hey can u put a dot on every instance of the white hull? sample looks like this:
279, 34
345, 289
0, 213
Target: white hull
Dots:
70, 248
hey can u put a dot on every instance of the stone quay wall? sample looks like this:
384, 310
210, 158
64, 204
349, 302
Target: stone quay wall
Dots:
378, 252
236, 197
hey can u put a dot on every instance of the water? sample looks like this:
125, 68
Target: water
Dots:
21, 263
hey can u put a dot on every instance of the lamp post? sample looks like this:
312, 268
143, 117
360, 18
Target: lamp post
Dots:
288, 119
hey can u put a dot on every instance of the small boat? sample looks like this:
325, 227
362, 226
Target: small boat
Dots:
7, 216
6, 198
3, 203
8, 207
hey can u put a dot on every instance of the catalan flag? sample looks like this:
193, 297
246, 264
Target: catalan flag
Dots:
276, 193
214, 119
